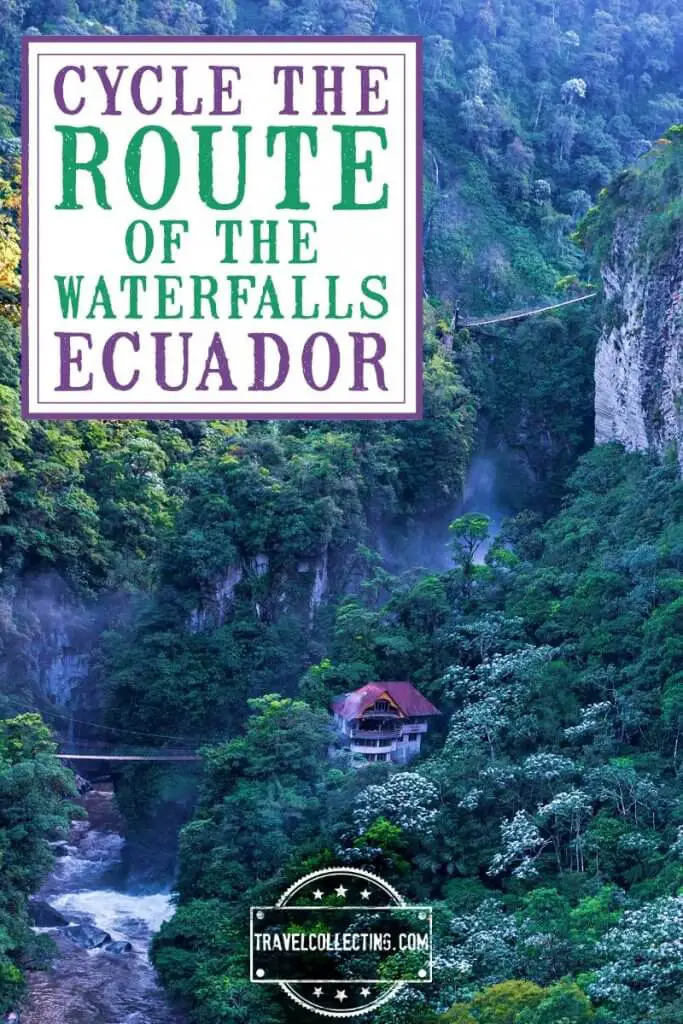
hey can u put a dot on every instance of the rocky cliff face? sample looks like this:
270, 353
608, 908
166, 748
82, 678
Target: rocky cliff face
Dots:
47, 635
639, 362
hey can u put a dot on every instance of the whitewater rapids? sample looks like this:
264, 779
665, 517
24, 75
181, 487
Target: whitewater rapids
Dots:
96, 986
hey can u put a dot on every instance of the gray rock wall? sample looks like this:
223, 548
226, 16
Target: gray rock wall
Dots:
639, 360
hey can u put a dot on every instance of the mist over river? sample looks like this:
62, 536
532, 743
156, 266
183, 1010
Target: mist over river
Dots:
87, 886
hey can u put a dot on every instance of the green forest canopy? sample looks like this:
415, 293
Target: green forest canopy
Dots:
545, 821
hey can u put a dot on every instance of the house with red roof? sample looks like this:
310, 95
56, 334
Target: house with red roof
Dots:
383, 721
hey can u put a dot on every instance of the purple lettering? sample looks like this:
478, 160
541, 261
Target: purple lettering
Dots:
110, 88
288, 72
67, 360
108, 353
332, 357
360, 360
136, 88
160, 339
220, 87
59, 89
260, 362
368, 89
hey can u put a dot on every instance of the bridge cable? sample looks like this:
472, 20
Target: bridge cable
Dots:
94, 725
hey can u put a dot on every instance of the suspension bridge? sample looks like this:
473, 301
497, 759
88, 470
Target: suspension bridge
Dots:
459, 321
99, 752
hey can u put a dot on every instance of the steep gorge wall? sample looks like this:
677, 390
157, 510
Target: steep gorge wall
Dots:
635, 235
47, 638
639, 361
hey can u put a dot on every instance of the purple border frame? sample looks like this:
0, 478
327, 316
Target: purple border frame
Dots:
208, 416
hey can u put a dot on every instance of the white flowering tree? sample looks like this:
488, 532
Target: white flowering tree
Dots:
485, 941
593, 719
493, 700
644, 955
559, 825
406, 799
573, 89
522, 844
631, 794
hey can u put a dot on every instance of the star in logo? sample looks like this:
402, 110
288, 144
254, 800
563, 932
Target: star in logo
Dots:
365, 992
341, 995
365, 894
318, 894
317, 992
341, 891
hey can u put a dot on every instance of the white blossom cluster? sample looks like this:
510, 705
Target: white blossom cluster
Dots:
490, 631
406, 799
619, 784
492, 699
573, 88
502, 775
496, 671
548, 766
407, 1006
478, 723
522, 845
485, 943
471, 800
593, 718
526, 836
570, 806
677, 847
644, 954
638, 844
357, 854
543, 767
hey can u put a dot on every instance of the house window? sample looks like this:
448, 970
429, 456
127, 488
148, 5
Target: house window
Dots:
413, 736
382, 705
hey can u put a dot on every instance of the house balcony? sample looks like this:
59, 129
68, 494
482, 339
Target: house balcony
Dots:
378, 747
382, 714
389, 733
415, 727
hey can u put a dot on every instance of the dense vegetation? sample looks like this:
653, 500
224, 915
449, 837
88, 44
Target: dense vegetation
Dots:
34, 807
545, 828
247, 572
531, 108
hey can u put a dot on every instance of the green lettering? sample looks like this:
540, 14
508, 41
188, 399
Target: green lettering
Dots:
200, 296
101, 299
371, 293
301, 240
166, 296
269, 300
71, 165
294, 135
69, 294
206, 184
171, 163
351, 165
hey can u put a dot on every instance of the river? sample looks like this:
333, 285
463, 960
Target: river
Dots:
87, 887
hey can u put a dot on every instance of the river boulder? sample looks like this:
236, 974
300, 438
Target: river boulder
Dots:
119, 947
44, 916
60, 848
87, 936
82, 785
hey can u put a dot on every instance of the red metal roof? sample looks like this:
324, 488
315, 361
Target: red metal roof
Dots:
410, 701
